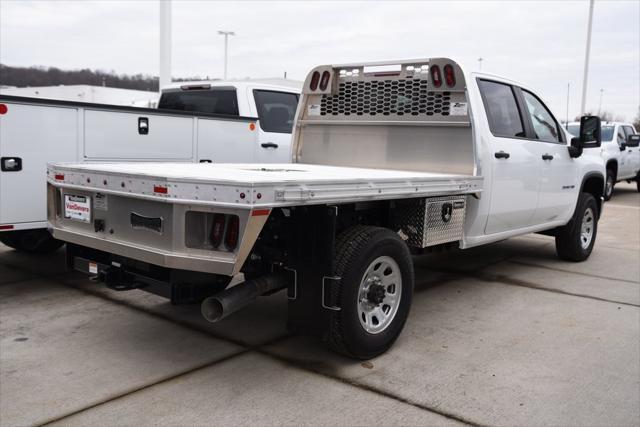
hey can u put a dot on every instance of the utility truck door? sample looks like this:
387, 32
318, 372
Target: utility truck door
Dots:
558, 176
515, 171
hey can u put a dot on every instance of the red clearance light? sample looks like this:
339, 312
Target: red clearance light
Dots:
59, 177
3, 109
217, 230
160, 189
233, 230
449, 75
260, 212
436, 78
315, 79
324, 82
6, 227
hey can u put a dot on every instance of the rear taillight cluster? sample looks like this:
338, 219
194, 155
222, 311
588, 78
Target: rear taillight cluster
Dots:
225, 228
437, 75
320, 80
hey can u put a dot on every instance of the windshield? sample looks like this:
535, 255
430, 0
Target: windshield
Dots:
605, 131
201, 101
276, 110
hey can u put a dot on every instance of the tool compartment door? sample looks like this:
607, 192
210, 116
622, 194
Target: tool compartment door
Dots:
113, 135
35, 134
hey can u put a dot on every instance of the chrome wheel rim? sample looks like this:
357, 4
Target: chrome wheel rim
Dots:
587, 228
609, 184
379, 294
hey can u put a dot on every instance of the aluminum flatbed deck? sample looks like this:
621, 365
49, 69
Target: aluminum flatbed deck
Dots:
257, 185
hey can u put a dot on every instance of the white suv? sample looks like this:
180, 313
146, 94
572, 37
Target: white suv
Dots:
620, 153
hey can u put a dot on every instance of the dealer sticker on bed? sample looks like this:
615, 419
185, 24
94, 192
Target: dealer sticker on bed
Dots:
458, 109
314, 109
77, 207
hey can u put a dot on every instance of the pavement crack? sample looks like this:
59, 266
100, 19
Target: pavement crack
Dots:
562, 270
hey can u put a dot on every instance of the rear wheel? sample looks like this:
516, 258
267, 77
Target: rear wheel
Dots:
374, 291
638, 182
611, 182
574, 241
38, 241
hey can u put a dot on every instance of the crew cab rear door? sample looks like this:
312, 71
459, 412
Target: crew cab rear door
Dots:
513, 157
633, 153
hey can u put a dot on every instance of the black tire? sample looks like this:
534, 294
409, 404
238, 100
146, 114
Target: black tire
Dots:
37, 241
356, 250
609, 184
638, 182
570, 245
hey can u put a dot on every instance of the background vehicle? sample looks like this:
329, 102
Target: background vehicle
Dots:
194, 122
619, 151
389, 159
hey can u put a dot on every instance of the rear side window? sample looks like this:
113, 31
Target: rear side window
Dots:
201, 101
544, 125
628, 130
276, 110
502, 109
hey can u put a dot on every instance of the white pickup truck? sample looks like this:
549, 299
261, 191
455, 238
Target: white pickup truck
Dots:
389, 159
219, 121
619, 152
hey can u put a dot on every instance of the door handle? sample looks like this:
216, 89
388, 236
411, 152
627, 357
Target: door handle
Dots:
502, 155
143, 125
547, 157
11, 164
269, 145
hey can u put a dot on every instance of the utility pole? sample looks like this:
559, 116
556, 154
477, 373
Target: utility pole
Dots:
165, 42
600, 103
567, 122
226, 35
586, 59
480, 63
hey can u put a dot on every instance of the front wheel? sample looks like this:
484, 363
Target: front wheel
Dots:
574, 241
374, 291
611, 182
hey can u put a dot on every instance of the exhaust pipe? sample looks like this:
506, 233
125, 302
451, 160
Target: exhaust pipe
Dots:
219, 306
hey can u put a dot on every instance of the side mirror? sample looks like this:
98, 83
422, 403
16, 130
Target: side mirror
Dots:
589, 137
623, 146
633, 140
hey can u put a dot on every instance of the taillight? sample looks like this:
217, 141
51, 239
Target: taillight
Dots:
436, 78
3, 109
217, 230
159, 189
59, 177
324, 82
231, 239
449, 76
315, 79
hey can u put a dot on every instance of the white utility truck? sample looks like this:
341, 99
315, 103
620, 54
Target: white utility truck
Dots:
218, 121
389, 159
619, 151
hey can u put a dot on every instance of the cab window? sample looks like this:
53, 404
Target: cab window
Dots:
276, 110
217, 101
621, 137
545, 126
502, 109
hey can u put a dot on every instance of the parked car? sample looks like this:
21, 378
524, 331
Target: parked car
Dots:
216, 121
619, 151
390, 159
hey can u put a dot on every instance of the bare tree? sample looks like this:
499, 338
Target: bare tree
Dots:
636, 121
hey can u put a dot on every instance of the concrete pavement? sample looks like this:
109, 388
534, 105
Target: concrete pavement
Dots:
499, 335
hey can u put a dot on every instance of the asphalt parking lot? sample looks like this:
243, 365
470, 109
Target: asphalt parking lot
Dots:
504, 334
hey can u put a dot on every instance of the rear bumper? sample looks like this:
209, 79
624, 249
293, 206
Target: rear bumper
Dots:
191, 262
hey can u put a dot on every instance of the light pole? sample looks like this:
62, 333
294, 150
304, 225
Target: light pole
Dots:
226, 35
165, 43
600, 103
480, 63
586, 59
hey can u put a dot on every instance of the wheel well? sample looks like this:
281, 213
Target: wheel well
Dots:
594, 185
613, 165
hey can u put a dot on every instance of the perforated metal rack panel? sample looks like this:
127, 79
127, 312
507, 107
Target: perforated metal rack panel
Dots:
432, 221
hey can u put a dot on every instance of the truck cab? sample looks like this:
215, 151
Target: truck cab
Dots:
272, 101
619, 153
